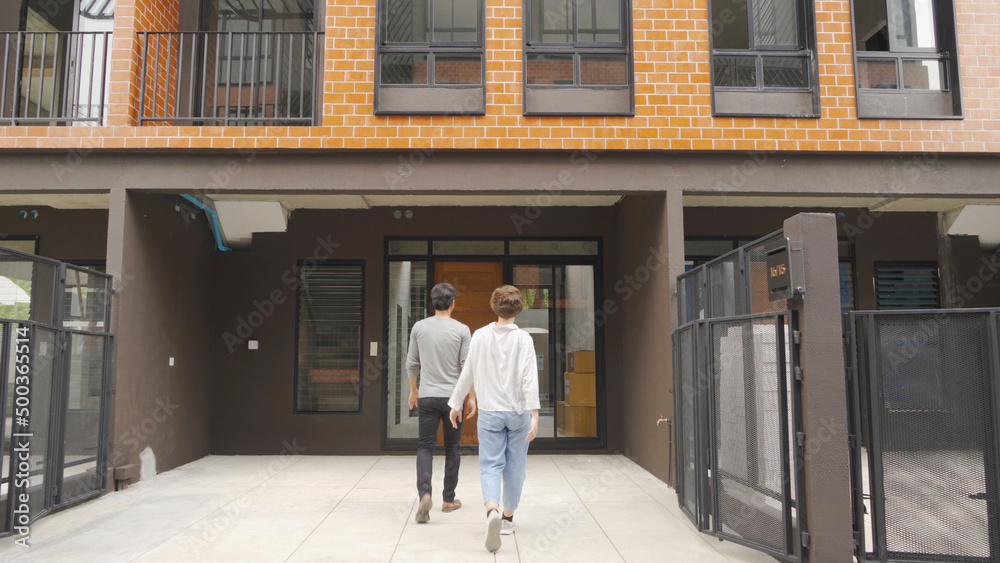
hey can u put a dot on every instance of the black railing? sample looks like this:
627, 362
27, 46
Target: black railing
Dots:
54, 77
229, 78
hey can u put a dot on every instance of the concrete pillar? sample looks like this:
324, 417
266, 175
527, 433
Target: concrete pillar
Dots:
824, 412
113, 265
650, 254
161, 318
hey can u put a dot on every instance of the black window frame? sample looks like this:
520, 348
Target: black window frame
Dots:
431, 98
912, 103
30, 238
754, 101
559, 99
305, 265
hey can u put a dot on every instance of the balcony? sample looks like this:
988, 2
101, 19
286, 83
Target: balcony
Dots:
229, 78
54, 77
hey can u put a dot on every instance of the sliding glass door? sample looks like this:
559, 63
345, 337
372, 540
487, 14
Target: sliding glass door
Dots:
559, 280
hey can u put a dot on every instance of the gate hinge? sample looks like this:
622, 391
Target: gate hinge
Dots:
852, 440
798, 373
797, 336
800, 439
805, 539
857, 539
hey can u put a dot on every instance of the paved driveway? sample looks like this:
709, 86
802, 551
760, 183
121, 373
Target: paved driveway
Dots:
310, 508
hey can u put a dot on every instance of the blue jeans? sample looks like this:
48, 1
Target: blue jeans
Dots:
503, 453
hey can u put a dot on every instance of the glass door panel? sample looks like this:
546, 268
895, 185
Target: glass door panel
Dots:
407, 304
559, 315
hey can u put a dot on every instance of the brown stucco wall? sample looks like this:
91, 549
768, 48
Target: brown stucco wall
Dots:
164, 310
974, 275
63, 234
647, 322
252, 399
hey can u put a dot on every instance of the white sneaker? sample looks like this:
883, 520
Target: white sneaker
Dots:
493, 531
507, 527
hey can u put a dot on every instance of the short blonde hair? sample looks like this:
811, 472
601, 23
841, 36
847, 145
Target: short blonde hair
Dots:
507, 301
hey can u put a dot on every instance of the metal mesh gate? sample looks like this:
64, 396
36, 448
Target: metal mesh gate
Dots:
54, 381
925, 427
737, 406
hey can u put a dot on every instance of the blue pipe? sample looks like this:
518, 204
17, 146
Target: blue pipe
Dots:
213, 218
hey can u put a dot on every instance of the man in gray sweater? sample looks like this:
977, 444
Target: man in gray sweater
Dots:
438, 347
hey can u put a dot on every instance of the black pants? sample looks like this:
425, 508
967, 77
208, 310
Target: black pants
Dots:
434, 411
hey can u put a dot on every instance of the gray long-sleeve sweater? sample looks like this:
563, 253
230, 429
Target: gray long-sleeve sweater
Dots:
438, 348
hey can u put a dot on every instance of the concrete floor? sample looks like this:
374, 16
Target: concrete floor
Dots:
311, 508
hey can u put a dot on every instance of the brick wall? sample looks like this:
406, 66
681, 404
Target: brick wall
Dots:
132, 16
672, 94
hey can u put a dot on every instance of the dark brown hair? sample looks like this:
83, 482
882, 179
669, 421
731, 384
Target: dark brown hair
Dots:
507, 301
442, 296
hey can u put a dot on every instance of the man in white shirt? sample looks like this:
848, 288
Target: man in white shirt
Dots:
504, 370
438, 347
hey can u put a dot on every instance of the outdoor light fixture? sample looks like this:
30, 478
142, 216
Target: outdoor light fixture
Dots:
408, 214
397, 214
25, 214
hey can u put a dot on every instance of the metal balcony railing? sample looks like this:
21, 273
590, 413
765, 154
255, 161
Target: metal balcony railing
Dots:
229, 78
54, 77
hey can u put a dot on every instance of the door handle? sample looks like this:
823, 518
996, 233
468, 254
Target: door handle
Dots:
982, 496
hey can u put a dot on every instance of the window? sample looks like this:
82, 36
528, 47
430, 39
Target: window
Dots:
430, 57
905, 62
328, 348
906, 285
260, 61
27, 244
577, 58
55, 71
763, 58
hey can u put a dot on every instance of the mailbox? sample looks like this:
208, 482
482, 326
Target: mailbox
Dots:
785, 271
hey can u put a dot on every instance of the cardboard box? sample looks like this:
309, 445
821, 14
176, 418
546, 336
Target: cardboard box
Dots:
581, 361
581, 422
581, 389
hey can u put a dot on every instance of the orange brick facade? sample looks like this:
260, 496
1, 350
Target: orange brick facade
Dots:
672, 94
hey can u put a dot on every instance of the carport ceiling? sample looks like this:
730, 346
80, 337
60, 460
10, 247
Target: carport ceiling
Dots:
324, 201
880, 203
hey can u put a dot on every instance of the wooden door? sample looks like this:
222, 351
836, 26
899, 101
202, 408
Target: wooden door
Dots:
474, 284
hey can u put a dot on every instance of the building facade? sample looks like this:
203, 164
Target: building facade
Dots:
275, 185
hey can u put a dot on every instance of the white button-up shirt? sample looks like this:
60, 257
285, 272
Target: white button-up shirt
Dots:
503, 367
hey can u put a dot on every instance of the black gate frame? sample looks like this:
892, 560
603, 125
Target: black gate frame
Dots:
60, 359
696, 314
864, 422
